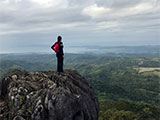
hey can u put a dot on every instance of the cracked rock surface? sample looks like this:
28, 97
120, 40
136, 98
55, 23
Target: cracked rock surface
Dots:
47, 96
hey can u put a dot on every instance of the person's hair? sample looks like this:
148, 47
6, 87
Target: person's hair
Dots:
59, 38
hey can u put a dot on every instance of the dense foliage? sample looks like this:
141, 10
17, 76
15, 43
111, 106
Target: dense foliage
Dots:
128, 110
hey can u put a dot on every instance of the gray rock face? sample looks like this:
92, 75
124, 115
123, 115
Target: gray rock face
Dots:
49, 96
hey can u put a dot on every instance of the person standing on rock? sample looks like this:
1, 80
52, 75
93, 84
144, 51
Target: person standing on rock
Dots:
58, 48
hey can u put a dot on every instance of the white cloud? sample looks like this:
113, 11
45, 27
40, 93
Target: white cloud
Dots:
140, 8
96, 11
108, 26
51, 3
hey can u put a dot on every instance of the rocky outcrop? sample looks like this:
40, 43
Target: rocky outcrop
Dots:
47, 96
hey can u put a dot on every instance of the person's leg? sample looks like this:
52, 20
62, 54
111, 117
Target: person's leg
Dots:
58, 64
62, 64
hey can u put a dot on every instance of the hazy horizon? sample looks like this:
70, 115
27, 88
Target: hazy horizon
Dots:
94, 49
33, 25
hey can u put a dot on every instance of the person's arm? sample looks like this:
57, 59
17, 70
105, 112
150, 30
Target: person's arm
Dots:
52, 47
61, 44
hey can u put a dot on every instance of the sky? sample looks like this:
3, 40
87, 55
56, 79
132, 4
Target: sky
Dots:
33, 25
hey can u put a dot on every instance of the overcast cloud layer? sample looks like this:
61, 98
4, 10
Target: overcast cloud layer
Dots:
33, 25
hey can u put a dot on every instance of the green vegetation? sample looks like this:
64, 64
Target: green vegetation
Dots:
124, 92
128, 110
22, 98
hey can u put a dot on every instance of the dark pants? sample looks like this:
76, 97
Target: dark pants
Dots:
59, 63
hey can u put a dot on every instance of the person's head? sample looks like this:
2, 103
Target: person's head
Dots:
59, 38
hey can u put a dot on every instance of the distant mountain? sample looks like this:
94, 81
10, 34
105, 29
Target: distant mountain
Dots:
153, 50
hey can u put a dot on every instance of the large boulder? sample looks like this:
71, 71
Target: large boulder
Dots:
48, 96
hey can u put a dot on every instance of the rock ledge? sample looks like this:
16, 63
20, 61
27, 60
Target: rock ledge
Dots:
47, 96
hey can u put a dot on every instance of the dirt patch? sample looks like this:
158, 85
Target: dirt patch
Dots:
147, 69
